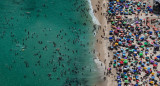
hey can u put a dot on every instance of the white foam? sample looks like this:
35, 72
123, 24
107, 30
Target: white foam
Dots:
94, 19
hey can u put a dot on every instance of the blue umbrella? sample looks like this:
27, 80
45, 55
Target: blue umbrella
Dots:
125, 72
110, 38
142, 38
150, 32
137, 77
127, 39
152, 77
136, 85
119, 84
119, 42
148, 68
158, 56
118, 76
156, 45
157, 31
146, 52
134, 70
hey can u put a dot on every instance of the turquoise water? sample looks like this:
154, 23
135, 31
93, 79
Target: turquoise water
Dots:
46, 43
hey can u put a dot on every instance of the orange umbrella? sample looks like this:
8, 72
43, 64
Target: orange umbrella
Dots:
155, 57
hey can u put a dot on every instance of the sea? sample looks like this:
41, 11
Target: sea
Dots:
47, 43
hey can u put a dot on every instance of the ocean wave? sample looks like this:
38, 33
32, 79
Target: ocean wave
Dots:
94, 19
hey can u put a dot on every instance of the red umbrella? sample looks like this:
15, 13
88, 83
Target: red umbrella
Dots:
129, 44
121, 62
154, 65
138, 8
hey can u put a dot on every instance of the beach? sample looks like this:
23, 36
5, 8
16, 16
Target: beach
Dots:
102, 43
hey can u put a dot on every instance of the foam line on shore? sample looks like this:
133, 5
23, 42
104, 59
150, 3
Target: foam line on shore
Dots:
94, 19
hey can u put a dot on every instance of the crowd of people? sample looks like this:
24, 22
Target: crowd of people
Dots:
135, 43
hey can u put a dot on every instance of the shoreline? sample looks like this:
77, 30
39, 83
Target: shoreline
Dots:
102, 53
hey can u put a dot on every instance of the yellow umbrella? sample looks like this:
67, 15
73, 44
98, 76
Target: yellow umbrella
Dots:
145, 68
151, 82
152, 73
134, 78
116, 43
122, 59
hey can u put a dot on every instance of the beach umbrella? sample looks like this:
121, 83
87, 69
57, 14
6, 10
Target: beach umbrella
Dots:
154, 65
158, 56
148, 68
142, 46
121, 62
145, 43
125, 61
125, 57
147, 57
158, 71
119, 57
126, 81
139, 68
145, 68
110, 38
146, 52
125, 76
111, 31
152, 61
137, 77
140, 54
114, 65
152, 77
151, 82
113, 22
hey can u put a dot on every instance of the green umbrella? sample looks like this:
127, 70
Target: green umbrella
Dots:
125, 61
114, 65
126, 48
140, 54
126, 77
142, 46
135, 61
113, 22
130, 50
145, 43
126, 81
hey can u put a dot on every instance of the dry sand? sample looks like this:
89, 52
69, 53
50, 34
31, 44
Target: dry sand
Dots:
102, 43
